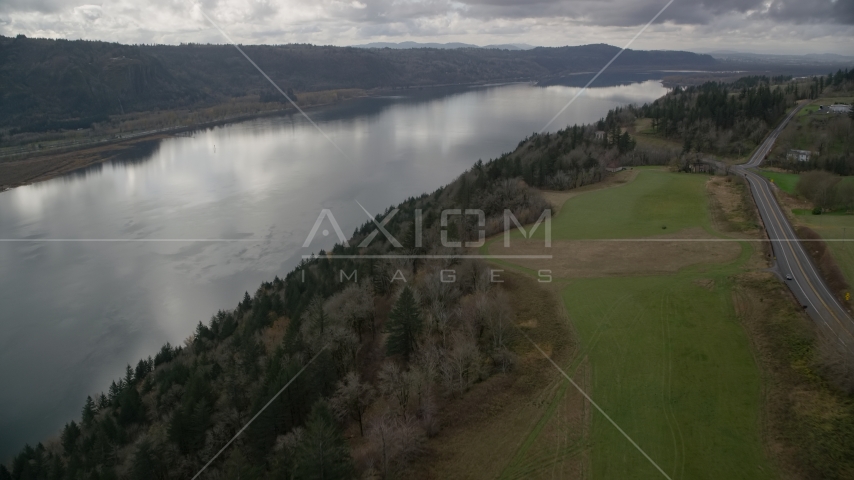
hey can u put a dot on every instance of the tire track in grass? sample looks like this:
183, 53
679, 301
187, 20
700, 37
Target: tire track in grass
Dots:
517, 461
670, 394
665, 364
669, 316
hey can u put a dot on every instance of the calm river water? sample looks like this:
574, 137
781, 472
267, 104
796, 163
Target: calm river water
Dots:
117, 267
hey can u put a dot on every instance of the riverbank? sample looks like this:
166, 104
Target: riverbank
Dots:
24, 167
34, 166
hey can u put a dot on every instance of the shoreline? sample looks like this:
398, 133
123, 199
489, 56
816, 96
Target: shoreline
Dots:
71, 158
39, 166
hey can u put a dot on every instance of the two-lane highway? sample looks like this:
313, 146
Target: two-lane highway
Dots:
792, 259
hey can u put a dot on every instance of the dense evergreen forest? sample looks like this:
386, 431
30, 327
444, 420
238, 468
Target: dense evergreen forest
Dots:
44, 83
718, 118
731, 119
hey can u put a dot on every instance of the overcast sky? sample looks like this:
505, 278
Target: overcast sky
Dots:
768, 26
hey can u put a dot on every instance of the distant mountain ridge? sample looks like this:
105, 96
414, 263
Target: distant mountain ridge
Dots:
452, 45
806, 59
46, 82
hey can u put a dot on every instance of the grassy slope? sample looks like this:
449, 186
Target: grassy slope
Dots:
835, 227
672, 367
785, 181
669, 361
789, 181
656, 202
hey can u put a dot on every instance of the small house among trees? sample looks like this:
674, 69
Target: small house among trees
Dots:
699, 167
799, 155
614, 167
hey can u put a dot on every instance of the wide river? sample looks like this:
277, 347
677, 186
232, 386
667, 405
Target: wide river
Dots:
120, 258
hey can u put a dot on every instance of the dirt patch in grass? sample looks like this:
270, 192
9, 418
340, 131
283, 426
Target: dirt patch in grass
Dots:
706, 283
602, 258
484, 429
808, 424
730, 207
557, 198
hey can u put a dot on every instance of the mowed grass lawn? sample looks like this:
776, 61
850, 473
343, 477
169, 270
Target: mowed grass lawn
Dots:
670, 362
785, 181
672, 366
657, 202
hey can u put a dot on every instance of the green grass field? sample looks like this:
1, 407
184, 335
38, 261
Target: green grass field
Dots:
673, 367
787, 182
670, 362
655, 203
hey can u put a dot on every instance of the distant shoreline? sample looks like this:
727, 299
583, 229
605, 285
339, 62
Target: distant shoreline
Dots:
38, 166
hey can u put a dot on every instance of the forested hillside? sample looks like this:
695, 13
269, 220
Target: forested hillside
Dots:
46, 82
718, 118
731, 119
385, 345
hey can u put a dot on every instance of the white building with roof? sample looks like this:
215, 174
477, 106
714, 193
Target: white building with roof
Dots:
835, 108
799, 155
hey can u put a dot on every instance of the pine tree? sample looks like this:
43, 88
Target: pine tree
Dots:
147, 463
322, 452
69, 437
88, 412
141, 370
238, 466
404, 324
129, 376
132, 408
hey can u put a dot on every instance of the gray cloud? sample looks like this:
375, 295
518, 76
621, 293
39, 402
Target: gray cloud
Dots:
41, 6
638, 12
590, 12
686, 23
799, 11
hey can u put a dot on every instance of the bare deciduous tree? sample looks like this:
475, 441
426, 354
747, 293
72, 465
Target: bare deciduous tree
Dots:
354, 306
394, 442
352, 398
397, 384
497, 315
460, 365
